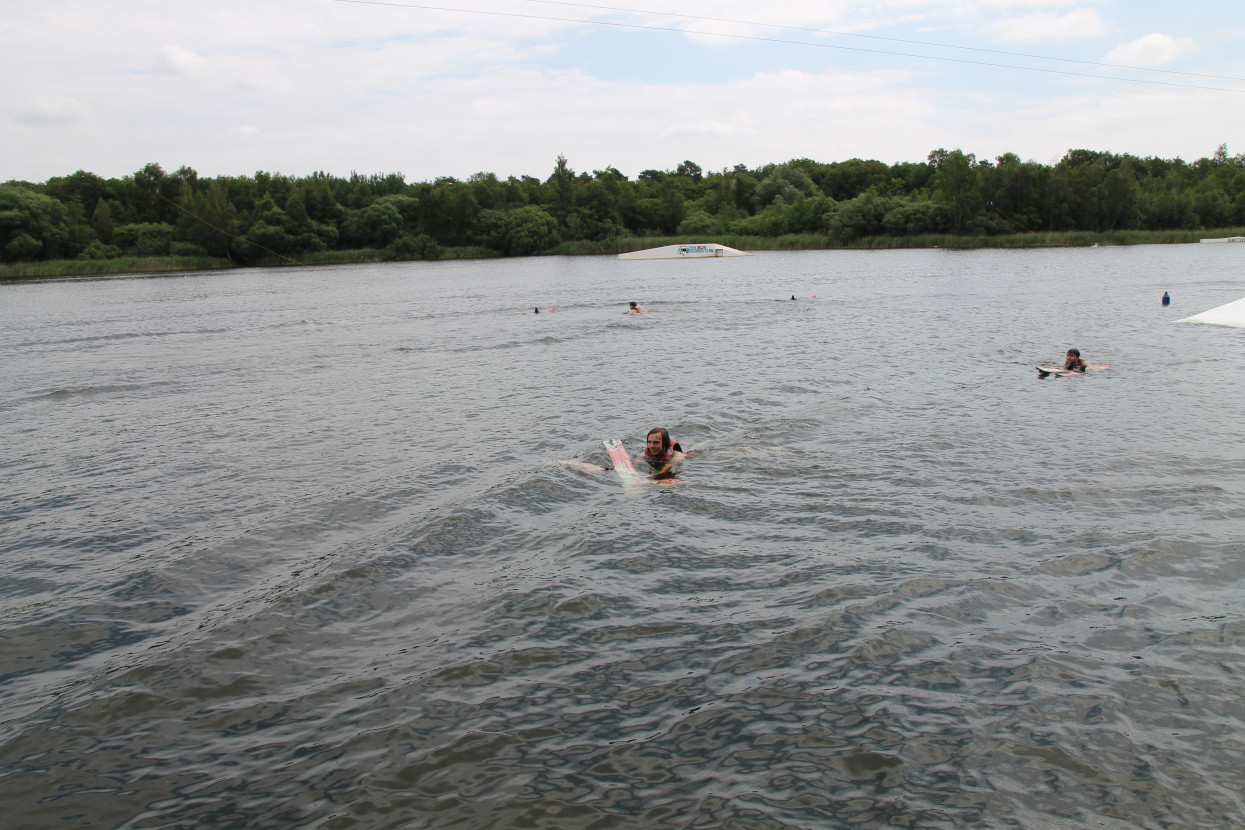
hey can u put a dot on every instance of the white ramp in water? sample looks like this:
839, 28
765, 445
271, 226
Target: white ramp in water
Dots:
1232, 314
700, 250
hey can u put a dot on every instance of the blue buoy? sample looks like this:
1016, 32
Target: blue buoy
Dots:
1166, 299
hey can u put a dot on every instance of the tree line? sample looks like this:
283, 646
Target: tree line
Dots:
251, 219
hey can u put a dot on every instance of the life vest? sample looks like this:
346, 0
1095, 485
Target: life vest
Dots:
666, 456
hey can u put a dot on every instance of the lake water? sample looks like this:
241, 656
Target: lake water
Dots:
291, 548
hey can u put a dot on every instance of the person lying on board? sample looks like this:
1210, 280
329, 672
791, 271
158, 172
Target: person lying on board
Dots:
1074, 361
661, 453
635, 309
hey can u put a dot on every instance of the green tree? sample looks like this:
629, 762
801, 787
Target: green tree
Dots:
1083, 178
22, 247
309, 234
208, 219
99, 251
595, 215
102, 221
78, 230
318, 199
87, 188
408, 247
1164, 206
144, 239
488, 192
267, 234
774, 220
528, 230
848, 179
956, 185
690, 170
1013, 190
673, 209
645, 216
32, 225
1119, 204
909, 178
375, 226
862, 216
156, 192
447, 211
1213, 207
912, 217
785, 183
743, 188
699, 224
562, 189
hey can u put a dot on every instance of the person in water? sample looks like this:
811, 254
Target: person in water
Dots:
661, 453
635, 309
1074, 361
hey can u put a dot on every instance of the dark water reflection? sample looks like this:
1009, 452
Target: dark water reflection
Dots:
290, 549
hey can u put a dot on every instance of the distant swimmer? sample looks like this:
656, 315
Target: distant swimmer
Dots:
1074, 365
635, 309
1167, 300
536, 311
661, 453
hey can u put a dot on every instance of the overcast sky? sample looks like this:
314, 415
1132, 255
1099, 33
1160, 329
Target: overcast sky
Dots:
441, 88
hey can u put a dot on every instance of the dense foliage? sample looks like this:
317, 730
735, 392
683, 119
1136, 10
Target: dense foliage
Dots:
251, 219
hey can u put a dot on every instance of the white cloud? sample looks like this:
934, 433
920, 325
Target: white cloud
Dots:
1152, 50
754, 121
1028, 4
181, 61
1049, 26
290, 86
51, 111
718, 32
1112, 123
698, 129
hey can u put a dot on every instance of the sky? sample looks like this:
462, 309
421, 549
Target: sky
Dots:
457, 87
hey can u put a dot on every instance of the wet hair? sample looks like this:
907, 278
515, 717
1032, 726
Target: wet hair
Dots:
633, 305
665, 437
1074, 352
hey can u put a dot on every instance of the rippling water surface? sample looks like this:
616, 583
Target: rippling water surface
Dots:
292, 548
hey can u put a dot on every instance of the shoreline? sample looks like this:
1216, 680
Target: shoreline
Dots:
56, 269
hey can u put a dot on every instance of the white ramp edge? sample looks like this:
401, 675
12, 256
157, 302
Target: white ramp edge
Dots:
1231, 314
699, 250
